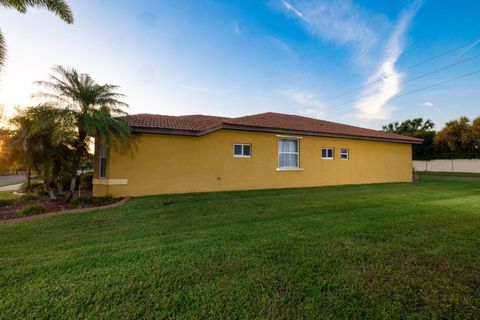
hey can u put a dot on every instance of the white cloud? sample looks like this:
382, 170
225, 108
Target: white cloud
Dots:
311, 105
430, 105
345, 23
386, 80
340, 22
295, 11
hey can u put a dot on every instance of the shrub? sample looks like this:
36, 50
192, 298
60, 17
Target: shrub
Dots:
81, 202
7, 202
30, 196
86, 180
31, 209
103, 200
36, 186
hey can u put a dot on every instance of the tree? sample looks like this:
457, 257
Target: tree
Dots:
95, 110
40, 141
58, 7
419, 129
459, 138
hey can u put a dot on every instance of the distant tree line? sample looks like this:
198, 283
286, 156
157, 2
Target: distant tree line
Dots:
459, 139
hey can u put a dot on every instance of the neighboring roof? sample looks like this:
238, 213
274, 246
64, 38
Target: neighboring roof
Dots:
198, 125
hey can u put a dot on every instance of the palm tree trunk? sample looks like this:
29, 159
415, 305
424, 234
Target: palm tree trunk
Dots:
81, 147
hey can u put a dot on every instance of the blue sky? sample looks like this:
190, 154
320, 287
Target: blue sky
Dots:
242, 57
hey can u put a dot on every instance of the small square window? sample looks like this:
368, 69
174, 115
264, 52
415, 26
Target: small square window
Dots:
344, 154
241, 150
327, 153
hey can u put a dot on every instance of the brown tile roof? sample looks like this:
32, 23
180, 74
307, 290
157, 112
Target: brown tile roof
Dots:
194, 123
269, 122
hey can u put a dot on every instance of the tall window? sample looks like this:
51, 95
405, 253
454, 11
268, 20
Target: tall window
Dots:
288, 155
327, 153
242, 150
102, 172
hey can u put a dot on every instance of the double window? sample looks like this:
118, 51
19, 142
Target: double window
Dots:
102, 172
327, 153
242, 150
288, 154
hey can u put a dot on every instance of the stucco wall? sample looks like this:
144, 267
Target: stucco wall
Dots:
457, 165
177, 164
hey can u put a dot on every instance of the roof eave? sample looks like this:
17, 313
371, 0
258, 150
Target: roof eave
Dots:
153, 130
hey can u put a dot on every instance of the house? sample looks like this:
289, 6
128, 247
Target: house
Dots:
197, 153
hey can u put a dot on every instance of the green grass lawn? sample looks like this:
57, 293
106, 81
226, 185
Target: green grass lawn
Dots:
373, 251
6, 195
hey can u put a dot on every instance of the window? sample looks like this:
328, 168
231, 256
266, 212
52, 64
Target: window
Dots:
102, 172
344, 154
288, 155
327, 153
241, 150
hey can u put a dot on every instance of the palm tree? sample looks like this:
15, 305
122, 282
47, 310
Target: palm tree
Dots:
58, 7
95, 110
39, 141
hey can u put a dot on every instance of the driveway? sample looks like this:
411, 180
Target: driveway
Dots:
10, 180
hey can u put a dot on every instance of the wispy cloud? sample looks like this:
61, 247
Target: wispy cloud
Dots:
470, 47
341, 22
345, 23
283, 47
430, 105
196, 89
309, 103
386, 80
295, 11
237, 30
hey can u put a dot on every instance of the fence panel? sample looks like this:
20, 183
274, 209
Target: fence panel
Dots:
445, 165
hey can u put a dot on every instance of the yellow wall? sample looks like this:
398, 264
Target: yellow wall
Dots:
177, 164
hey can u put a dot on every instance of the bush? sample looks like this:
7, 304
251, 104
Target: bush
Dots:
7, 202
31, 209
103, 200
86, 180
81, 202
30, 196
36, 186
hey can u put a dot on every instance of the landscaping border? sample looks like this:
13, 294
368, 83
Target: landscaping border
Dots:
57, 213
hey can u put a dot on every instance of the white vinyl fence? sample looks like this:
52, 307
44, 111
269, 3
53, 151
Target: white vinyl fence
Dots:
457, 165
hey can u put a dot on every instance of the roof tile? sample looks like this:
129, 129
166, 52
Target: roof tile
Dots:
202, 124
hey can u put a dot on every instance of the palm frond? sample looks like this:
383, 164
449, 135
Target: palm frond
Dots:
3, 49
59, 7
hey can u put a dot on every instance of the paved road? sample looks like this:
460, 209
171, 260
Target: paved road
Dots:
11, 179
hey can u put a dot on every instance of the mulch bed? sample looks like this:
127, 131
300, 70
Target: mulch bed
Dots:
58, 205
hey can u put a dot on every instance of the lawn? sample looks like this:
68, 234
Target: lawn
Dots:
373, 251
6, 195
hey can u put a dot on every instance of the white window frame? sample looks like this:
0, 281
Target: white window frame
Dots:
102, 155
243, 150
347, 153
333, 153
297, 139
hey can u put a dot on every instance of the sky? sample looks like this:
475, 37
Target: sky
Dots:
364, 63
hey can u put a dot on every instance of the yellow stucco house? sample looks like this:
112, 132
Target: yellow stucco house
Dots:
197, 153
